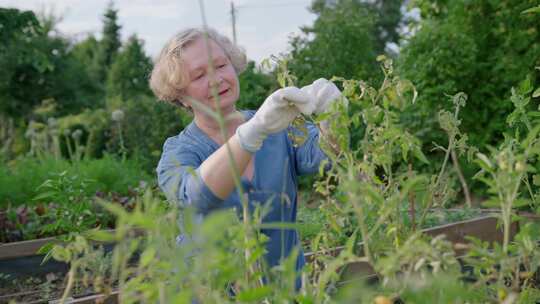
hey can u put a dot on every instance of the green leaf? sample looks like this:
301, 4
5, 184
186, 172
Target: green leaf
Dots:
532, 10
183, 297
44, 195
525, 86
536, 93
112, 208
61, 254
255, 294
530, 137
521, 202
536, 180
533, 114
420, 155
491, 203
484, 162
47, 183
373, 194
100, 235
322, 117
45, 249
147, 256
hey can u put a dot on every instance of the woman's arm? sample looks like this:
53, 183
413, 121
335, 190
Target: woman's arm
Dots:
274, 115
217, 171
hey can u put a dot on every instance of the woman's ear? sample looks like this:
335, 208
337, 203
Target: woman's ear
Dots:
180, 100
182, 103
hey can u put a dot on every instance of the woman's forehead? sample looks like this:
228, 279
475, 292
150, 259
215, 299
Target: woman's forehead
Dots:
196, 53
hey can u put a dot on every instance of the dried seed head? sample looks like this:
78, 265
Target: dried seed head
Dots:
117, 115
52, 122
77, 134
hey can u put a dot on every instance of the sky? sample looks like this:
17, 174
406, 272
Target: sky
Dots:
263, 26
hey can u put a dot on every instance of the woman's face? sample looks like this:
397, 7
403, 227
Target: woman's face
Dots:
200, 80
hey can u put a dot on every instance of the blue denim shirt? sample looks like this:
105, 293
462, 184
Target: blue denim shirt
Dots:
277, 166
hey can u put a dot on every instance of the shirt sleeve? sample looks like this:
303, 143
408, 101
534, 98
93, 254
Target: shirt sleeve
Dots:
309, 155
180, 179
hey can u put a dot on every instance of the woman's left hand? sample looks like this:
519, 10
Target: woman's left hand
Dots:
323, 94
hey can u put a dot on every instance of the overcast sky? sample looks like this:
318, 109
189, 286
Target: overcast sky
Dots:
263, 26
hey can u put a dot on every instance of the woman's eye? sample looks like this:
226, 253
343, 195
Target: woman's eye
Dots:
222, 65
197, 77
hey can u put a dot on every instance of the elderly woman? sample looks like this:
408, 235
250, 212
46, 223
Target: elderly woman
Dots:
195, 169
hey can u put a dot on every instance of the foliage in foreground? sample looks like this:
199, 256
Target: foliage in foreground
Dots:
222, 262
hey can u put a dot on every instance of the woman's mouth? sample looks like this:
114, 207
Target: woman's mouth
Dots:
221, 93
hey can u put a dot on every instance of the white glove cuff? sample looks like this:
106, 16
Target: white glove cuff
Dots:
250, 137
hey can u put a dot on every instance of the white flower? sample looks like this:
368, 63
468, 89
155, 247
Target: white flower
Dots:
117, 115
53, 123
77, 134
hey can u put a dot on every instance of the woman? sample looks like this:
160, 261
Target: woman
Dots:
195, 169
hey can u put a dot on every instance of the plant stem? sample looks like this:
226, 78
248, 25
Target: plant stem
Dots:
507, 213
360, 214
89, 143
68, 144
528, 184
451, 139
461, 178
71, 280
122, 147
412, 208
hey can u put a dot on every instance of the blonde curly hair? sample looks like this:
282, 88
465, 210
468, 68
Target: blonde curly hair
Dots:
168, 76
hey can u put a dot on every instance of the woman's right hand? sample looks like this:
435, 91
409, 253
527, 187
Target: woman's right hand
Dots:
275, 114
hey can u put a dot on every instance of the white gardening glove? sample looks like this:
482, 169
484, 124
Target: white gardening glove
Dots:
275, 114
323, 94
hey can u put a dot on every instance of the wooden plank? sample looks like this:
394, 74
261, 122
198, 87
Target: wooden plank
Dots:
13, 296
357, 271
24, 248
31, 247
98, 298
484, 228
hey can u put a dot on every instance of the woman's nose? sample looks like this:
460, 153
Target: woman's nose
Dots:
216, 80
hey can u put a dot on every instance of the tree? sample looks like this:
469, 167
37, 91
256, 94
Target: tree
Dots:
19, 60
86, 52
128, 75
388, 20
482, 48
38, 66
110, 42
345, 39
